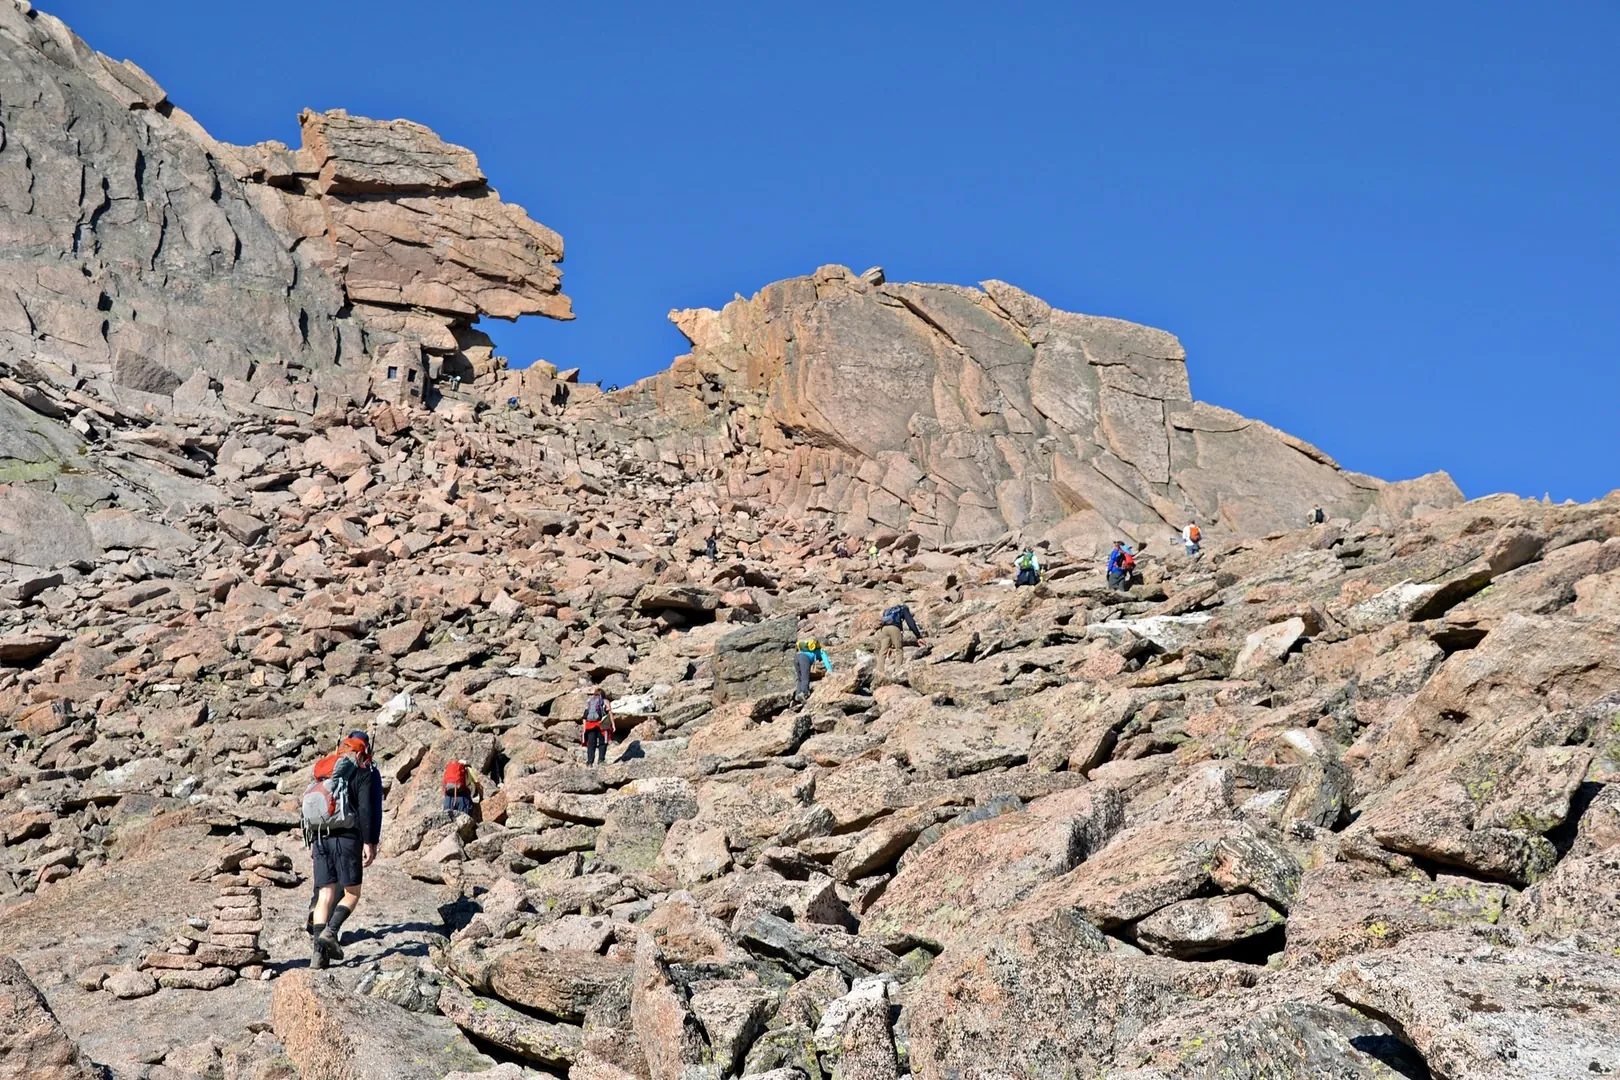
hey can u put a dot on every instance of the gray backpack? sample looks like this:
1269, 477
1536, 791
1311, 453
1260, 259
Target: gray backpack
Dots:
329, 802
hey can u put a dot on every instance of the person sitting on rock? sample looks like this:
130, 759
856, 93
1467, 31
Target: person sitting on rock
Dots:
810, 652
1121, 564
1028, 566
892, 626
599, 728
341, 855
461, 787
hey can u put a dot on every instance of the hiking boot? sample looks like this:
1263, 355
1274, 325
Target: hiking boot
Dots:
328, 945
317, 955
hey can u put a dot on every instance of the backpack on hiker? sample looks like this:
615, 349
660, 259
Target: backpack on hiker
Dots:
893, 616
810, 645
1026, 561
329, 803
596, 711
455, 779
1127, 562
1193, 535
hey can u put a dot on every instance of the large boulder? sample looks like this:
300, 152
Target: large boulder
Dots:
754, 661
974, 874
32, 1042
332, 1033
1046, 998
1478, 1011
1486, 798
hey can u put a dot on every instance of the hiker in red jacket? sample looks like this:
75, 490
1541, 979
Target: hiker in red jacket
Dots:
599, 729
461, 787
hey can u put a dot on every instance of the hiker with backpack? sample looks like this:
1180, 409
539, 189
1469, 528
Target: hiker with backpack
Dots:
461, 787
1318, 516
809, 653
1029, 569
1190, 536
1121, 565
892, 626
599, 728
342, 820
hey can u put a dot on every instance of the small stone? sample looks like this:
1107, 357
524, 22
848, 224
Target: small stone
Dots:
126, 984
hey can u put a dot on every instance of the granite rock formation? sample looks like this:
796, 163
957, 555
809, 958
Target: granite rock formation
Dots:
962, 414
149, 272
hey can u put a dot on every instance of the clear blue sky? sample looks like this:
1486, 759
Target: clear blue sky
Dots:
1392, 229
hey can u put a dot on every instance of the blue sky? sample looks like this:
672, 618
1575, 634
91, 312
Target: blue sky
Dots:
1392, 229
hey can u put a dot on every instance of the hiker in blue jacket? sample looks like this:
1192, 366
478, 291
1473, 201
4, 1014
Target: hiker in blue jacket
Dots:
1121, 563
892, 625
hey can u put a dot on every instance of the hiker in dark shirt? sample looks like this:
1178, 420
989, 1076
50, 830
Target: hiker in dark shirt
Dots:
341, 854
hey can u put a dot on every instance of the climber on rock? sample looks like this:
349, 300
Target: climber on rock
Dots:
1121, 565
892, 625
808, 654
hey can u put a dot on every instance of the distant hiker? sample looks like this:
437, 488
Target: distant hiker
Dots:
342, 819
810, 652
1318, 517
1190, 536
711, 549
599, 728
892, 627
461, 787
1121, 565
841, 551
1029, 568
872, 553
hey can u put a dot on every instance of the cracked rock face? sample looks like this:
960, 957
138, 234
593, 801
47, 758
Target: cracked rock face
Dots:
128, 254
962, 413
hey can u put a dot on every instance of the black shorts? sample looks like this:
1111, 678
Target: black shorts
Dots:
338, 860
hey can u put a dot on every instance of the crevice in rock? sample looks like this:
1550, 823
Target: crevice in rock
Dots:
1455, 639
503, 1056
1394, 1054
1563, 837
1256, 950
1395, 1049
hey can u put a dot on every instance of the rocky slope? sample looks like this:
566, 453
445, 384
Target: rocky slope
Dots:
1330, 801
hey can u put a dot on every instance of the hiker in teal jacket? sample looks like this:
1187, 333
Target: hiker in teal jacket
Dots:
810, 652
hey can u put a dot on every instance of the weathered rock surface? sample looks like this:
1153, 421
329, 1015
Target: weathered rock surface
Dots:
32, 1042
332, 1033
1473, 1009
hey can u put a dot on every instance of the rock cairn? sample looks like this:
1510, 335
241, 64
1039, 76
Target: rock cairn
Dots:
255, 864
206, 954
